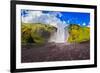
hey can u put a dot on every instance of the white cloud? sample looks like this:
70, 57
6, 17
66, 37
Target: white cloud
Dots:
84, 24
78, 24
31, 15
88, 25
45, 18
64, 22
68, 21
55, 14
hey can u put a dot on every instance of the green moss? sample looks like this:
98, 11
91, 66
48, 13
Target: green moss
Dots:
78, 34
36, 33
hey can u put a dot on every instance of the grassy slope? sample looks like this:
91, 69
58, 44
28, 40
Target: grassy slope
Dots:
36, 33
78, 34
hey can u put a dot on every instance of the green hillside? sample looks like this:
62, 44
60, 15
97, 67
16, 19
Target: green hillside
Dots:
78, 33
36, 33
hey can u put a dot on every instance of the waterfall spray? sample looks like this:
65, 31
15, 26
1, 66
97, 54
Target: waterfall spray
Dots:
60, 35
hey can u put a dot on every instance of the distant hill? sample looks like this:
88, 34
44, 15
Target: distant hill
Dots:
78, 33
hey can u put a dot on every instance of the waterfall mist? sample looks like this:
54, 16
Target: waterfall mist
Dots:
60, 36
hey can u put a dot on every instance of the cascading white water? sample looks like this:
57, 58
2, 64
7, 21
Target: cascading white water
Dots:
59, 36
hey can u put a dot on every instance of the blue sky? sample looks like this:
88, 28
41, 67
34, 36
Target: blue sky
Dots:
76, 18
47, 17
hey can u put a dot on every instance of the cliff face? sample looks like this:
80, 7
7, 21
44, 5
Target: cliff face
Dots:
36, 33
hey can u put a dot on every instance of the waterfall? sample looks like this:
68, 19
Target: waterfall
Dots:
59, 36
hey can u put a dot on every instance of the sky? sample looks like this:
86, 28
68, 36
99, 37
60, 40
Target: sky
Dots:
52, 17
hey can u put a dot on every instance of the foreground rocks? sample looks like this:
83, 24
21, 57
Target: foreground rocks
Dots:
55, 52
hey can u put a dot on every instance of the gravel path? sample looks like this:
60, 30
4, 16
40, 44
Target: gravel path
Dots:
55, 52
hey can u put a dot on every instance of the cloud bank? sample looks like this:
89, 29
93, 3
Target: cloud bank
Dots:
53, 18
29, 16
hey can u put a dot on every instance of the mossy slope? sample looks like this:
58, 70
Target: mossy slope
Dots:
36, 33
78, 33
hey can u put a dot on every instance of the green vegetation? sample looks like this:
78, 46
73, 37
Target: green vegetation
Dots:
78, 33
36, 33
